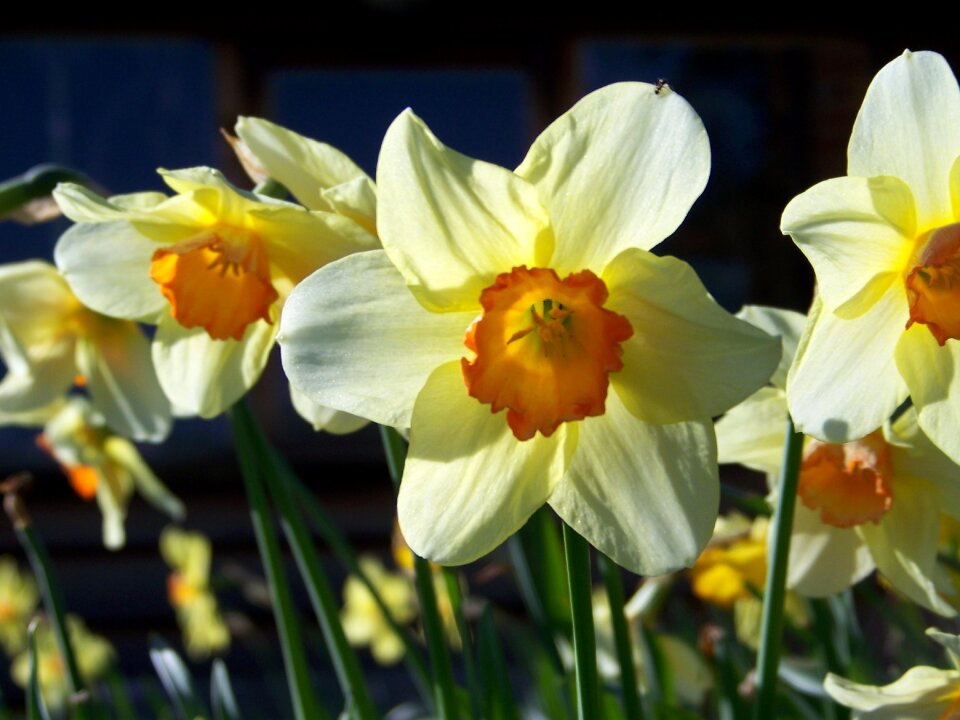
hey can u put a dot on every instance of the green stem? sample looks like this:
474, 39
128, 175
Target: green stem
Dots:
35, 183
325, 606
584, 640
621, 637
305, 704
533, 600
781, 527
327, 529
56, 609
454, 589
443, 685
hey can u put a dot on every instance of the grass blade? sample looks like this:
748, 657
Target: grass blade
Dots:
221, 693
176, 680
443, 685
325, 605
305, 703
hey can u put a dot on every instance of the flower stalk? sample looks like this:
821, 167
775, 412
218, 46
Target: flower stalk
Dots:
305, 704
443, 684
584, 640
308, 561
52, 594
771, 631
621, 636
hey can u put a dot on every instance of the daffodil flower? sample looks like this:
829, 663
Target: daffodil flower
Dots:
363, 621
210, 266
94, 655
103, 465
885, 244
869, 503
922, 693
50, 342
534, 292
188, 589
321, 178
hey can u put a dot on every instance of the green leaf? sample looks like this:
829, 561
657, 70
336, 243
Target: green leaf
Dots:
305, 703
36, 710
499, 697
176, 680
221, 693
325, 605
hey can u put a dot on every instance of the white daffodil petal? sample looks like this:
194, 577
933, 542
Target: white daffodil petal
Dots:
204, 376
948, 641
115, 360
299, 242
155, 212
36, 375
646, 495
306, 167
324, 418
353, 337
904, 543
907, 127
785, 324
688, 358
620, 169
450, 223
930, 372
922, 693
469, 483
356, 199
861, 353
857, 233
82, 205
113, 498
123, 452
824, 559
914, 455
88, 254
752, 433
35, 300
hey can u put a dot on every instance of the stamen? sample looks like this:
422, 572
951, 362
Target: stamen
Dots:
933, 285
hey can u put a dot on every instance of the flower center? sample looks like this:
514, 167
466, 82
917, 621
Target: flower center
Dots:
933, 286
219, 280
544, 348
180, 593
850, 483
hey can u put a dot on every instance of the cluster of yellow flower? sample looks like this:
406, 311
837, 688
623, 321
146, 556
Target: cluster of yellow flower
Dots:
518, 324
18, 605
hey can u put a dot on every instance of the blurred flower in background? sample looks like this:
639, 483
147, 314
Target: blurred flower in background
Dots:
103, 465
188, 588
94, 656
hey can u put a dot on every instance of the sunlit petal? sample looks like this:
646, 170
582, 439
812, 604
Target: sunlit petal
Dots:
634, 158
644, 494
463, 457
450, 223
